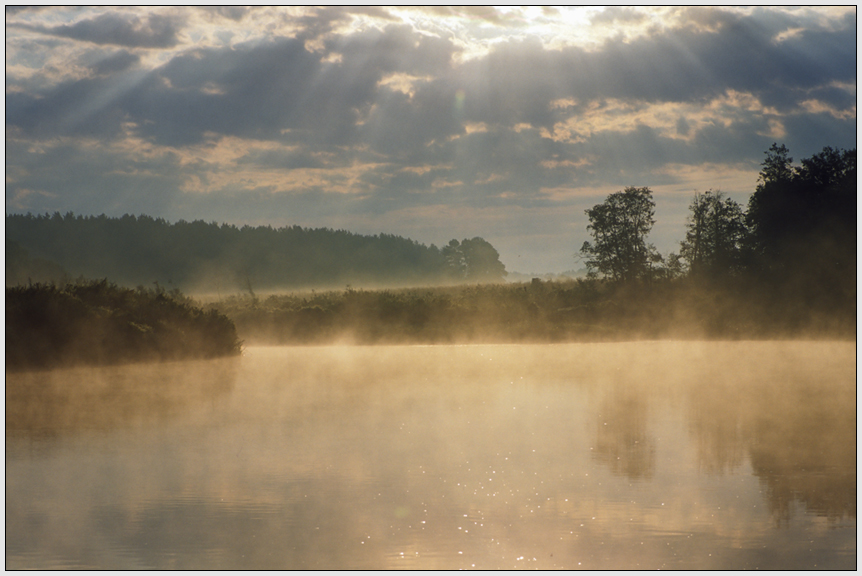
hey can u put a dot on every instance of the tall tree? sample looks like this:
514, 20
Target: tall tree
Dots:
715, 235
778, 165
795, 211
803, 228
474, 260
619, 227
483, 261
456, 265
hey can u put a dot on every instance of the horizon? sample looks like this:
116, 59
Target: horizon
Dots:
425, 123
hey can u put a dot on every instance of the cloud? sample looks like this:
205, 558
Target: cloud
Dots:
236, 13
486, 14
618, 14
116, 62
342, 112
83, 175
280, 159
153, 31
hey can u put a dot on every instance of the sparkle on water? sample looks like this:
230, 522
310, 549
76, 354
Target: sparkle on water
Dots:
597, 456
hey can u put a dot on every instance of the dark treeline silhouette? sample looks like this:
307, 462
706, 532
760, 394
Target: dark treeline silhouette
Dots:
210, 257
802, 230
790, 258
21, 268
96, 322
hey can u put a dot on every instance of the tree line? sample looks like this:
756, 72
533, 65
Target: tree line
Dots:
794, 245
98, 322
201, 256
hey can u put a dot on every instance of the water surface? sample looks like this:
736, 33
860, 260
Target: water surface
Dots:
594, 456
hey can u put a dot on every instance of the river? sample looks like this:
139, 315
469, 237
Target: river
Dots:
642, 455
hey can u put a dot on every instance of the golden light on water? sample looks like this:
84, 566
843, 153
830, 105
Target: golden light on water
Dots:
641, 455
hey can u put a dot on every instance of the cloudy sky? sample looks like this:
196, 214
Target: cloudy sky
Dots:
429, 123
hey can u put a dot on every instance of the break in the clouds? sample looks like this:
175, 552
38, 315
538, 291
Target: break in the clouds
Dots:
432, 123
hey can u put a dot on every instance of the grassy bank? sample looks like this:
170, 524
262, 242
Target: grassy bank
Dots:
537, 311
96, 322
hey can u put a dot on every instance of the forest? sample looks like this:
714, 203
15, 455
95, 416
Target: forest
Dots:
208, 257
782, 267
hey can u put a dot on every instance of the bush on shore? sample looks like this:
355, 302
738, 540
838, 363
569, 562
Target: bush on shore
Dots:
97, 322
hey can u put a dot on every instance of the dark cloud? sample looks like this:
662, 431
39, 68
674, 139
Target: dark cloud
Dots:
405, 121
116, 62
321, 21
153, 31
741, 141
682, 127
837, 96
516, 81
282, 90
808, 134
12, 10
267, 90
397, 48
235, 13
407, 128
88, 179
87, 107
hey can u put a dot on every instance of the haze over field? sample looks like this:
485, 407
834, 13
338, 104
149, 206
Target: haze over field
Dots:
429, 123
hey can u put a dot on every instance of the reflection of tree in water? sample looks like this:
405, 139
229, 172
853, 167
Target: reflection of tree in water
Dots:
622, 441
808, 457
798, 432
718, 429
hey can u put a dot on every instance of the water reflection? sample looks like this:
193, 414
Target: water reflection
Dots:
622, 439
718, 426
643, 455
808, 459
64, 401
793, 425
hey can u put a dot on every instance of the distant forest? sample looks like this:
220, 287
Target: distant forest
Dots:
208, 257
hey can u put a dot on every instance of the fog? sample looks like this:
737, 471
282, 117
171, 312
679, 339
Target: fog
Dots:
624, 455
534, 312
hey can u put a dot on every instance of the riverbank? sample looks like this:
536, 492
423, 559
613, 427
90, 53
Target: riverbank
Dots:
537, 311
97, 322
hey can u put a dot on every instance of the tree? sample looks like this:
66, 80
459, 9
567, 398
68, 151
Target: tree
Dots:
778, 165
483, 261
797, 212
619, 227
474, 260
716, 234
456, 265
802, 223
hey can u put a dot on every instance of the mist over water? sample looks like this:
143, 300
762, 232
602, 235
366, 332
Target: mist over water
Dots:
626, 455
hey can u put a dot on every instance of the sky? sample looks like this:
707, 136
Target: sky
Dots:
431, 123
